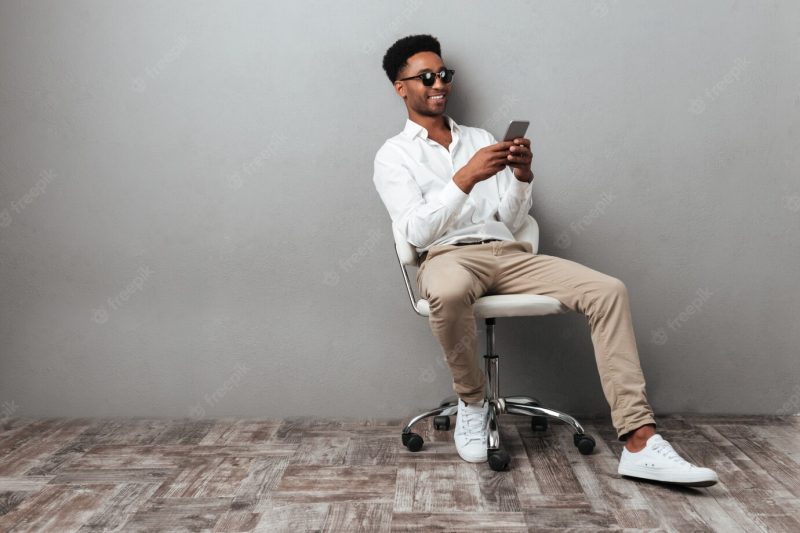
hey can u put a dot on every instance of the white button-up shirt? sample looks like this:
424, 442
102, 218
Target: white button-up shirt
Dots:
414, 178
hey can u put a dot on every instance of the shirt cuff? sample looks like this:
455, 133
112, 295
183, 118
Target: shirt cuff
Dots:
452, 196
520, 188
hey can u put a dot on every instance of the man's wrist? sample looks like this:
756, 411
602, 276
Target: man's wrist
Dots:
464, 180
527, 178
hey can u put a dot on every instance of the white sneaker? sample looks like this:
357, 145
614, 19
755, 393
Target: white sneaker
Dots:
470, 434
660, 462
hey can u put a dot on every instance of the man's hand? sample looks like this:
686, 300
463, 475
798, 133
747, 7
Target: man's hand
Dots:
520, 159
486, 162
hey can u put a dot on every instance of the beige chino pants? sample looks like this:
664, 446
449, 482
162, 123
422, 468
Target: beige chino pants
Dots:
452, 277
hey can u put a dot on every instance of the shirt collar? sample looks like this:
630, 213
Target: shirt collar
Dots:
413, 129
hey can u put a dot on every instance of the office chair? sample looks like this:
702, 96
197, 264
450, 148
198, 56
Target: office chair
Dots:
490, 308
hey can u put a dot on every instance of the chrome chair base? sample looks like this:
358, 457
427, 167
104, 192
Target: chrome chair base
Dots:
518, 405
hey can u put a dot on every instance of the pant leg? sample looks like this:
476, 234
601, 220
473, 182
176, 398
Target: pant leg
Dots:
604, 301
451, 278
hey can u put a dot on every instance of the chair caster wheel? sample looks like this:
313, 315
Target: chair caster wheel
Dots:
441, 423
585, 443
412, 441
498, 460
539, 423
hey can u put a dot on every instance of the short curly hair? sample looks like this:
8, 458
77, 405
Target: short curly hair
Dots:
397, 54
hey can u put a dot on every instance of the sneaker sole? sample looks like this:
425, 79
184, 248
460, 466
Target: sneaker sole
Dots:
681, 483
652, 477
481, 459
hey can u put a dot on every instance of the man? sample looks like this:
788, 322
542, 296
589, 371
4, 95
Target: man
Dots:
458, 196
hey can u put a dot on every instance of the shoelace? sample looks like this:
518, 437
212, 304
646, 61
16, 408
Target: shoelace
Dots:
665, 448
472, 424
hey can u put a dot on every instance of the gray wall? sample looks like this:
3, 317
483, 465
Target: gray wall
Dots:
188, 225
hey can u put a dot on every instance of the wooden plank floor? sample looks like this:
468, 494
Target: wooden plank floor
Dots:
309, 474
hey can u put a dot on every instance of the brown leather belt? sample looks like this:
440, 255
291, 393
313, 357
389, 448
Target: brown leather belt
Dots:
424, 254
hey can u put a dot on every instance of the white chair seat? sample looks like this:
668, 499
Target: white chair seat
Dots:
507, 305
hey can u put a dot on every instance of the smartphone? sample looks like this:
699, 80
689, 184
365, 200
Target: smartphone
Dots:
516, 129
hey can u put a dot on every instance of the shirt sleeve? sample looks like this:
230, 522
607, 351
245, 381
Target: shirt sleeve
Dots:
515, 197
421, 221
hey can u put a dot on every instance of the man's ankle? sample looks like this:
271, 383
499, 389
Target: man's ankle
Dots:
637, 439
473, 402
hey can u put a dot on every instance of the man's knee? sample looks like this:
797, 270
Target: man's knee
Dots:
612, 289
615, 286
605, 293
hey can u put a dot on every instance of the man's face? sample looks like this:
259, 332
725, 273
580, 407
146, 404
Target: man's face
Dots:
418, 97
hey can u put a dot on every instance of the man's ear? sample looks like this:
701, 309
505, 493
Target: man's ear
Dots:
400, 89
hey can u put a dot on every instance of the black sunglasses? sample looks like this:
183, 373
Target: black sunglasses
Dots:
429, 78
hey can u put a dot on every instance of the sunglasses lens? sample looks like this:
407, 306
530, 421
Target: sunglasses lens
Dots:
447, 76
428, 79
